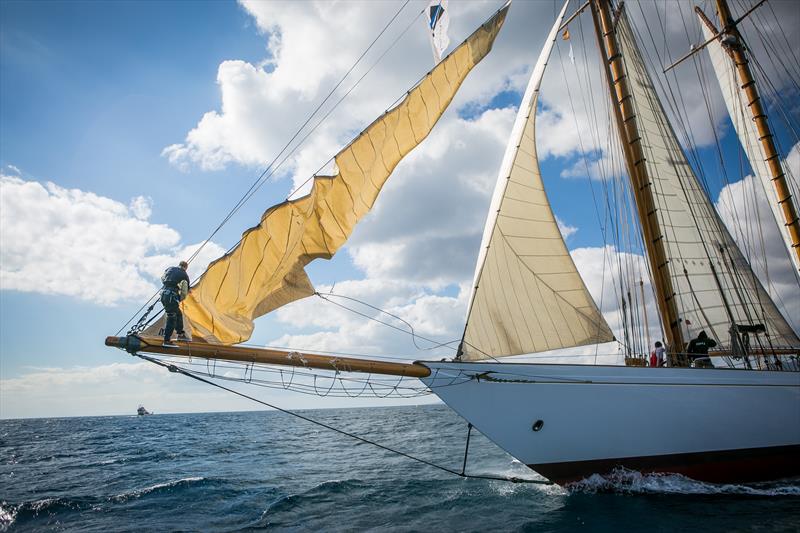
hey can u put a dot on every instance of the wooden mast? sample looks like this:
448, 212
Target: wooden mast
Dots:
641, 182
735, 49
247, 354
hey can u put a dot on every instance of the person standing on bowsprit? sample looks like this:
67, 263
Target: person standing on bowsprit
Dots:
175, 289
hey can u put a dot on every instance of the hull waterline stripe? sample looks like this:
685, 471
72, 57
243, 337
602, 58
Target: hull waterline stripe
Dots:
566, 381
723, 466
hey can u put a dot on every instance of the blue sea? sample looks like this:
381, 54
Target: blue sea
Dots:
267, 470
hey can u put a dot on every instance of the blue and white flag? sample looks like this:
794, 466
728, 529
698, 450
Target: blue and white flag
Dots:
438, 22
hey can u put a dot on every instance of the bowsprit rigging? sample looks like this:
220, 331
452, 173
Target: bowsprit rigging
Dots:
658, 220
462, 473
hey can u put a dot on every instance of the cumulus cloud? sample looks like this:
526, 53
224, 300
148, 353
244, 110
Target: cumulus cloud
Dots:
565, 229
427, 223
326, 325
597, 165
575, 117
141, 207
263, 104
440, 317
76, 243
605, 270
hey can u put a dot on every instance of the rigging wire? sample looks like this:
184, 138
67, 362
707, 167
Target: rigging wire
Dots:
253, 367
271, 168
735, 276
774, 50
625, 230
583, 151
410, 330
345, 95
190, 374
789, 47
611, 154
685, 179
745, 297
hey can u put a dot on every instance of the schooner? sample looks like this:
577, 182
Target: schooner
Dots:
735, 419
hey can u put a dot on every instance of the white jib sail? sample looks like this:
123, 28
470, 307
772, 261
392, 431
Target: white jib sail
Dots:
747, 131
527, 295
713, 283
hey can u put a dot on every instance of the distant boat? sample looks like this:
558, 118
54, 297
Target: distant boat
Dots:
141, 411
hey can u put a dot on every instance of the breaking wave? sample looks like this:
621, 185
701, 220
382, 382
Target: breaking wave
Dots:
158, 487
255, 470
630, 481
11, 514
7, 516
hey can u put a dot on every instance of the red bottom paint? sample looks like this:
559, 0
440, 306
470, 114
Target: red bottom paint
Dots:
727, 466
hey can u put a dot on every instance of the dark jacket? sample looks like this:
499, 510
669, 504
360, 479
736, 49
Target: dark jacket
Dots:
173, 276
701, 344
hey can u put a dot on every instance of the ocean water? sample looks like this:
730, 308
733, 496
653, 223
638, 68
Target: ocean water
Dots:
267, 470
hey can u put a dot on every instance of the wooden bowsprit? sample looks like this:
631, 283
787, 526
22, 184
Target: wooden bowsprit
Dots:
247, 354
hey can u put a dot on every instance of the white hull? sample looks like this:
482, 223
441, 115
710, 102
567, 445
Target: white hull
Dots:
710, 424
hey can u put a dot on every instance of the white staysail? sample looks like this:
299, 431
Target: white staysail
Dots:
747, 131
527, 295
714, 286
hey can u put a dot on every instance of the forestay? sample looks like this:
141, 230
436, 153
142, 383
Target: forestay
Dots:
713, 283
527, 295
266, 269
747, 131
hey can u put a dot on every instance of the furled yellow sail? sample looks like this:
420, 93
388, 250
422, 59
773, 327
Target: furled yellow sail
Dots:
266, 269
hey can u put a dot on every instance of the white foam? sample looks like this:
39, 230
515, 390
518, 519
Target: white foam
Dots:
147, 490
38, 505
7, 517
519, 470
631, 481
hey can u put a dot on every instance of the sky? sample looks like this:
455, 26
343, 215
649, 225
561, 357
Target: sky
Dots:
128, 130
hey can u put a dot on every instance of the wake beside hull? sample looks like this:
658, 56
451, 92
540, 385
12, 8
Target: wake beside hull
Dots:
726, 466
715, 425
